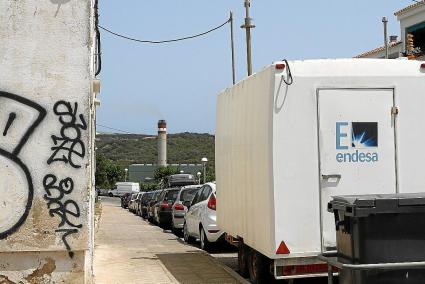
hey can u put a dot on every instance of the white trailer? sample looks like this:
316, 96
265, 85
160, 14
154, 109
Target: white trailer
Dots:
350, 126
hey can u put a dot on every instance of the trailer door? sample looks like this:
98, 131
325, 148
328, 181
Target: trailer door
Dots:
356, 146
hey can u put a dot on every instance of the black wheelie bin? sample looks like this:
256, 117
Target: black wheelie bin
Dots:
380, 229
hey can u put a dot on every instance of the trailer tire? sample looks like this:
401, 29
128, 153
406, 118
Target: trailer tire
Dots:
259, 267
243, 254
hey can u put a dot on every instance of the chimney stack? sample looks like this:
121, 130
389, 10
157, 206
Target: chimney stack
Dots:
162, 143
393, 39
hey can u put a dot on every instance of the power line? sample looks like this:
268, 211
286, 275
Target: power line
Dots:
116, 129
164, 41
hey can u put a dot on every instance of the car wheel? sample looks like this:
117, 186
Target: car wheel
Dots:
205, 244
243, 254
259, 267
110, 195
187, 238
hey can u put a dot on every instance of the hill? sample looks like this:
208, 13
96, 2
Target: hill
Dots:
182, 148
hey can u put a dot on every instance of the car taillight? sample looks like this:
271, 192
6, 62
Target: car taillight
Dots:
212, 202
165, 205
179, 206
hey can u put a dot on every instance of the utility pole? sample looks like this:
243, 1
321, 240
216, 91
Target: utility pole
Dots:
385, 21
232, 42
248, 26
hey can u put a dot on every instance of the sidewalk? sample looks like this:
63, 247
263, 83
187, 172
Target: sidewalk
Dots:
130, 250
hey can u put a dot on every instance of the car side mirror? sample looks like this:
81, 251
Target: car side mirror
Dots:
187, 203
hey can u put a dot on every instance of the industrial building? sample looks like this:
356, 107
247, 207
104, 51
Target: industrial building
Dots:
145, 172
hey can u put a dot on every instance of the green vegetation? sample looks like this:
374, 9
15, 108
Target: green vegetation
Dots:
107, 172
182, 148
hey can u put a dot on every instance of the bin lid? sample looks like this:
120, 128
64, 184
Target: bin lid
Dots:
364, 205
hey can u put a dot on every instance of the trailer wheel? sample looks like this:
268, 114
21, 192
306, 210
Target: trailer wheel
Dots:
259, 267
243, 254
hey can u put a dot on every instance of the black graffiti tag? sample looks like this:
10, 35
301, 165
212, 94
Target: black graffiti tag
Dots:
66, 210
68, 146
14, 137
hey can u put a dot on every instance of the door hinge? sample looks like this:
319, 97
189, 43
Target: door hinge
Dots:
394, 110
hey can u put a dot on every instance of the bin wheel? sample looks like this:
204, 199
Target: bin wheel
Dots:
259, 267
243, 254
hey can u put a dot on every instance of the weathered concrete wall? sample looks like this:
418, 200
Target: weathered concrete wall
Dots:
46, 134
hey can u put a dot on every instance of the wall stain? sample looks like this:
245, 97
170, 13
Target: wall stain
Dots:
46, 270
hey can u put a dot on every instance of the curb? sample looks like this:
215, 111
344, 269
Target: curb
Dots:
233, 273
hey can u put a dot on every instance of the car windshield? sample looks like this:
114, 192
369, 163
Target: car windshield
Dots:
188, 194
171, 195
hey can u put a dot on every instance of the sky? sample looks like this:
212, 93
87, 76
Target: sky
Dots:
179, 82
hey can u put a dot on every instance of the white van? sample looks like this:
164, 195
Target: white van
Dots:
122, 188
295, 134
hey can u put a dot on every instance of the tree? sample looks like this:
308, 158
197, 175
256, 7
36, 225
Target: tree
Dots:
107, 172
148, 186
162, 173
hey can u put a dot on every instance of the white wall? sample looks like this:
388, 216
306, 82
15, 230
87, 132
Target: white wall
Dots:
46, 134
411, 18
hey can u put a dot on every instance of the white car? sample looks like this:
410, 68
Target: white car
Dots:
201, 218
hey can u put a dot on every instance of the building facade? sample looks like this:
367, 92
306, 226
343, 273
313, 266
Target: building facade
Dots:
145, 172
412, 35
47, 114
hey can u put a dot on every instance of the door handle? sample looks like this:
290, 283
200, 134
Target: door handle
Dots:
334, 176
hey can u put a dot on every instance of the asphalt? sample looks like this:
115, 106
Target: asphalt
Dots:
131, 250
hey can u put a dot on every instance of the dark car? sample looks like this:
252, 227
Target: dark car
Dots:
136, 202
151, 205
179, 180
163, 207
125, 199
143, 204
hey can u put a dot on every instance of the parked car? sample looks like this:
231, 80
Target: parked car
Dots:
144, 204
137, 202
201, 219
122, 188
162, 207
125, 199
131, 202
179, 208
181, 180
151, 205
103, 191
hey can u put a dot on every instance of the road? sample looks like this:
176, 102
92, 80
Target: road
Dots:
130, 250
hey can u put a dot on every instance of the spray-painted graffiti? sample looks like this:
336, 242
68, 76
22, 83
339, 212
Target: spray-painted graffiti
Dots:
68, 149
19, 117
67, 210
68, 146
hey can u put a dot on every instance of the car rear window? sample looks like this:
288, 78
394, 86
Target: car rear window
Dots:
188, 194
171, 195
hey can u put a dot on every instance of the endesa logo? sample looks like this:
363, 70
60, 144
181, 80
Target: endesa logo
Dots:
356, 142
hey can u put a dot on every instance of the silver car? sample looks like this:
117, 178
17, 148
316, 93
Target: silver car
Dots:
179, 209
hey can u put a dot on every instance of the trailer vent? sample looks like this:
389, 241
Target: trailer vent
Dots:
283, 249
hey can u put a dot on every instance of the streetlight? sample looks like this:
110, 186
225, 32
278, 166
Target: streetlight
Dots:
126, 171
204, 165
199, 177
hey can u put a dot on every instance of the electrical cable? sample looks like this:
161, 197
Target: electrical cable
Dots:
165, 41
116, 129
98, 47
288, 73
